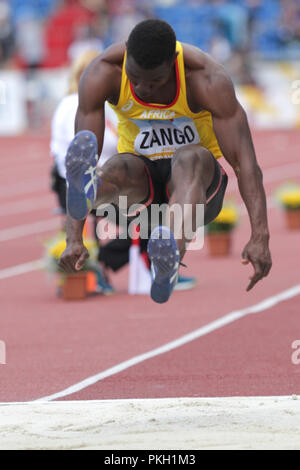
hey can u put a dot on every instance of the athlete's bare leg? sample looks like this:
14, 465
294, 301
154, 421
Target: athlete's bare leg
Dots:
122, 175
126, 175
192, 174
89, 186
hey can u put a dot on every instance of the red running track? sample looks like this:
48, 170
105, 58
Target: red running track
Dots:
52, 345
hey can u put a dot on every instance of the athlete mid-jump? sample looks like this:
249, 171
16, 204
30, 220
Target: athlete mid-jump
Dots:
178, 114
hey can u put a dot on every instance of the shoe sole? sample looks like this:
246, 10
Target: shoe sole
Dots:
81, 155
163, 254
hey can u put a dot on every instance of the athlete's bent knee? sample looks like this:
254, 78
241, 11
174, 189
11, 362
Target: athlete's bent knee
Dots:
192, 157
124, 171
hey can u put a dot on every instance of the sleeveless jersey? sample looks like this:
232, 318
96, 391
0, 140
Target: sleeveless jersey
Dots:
156, 131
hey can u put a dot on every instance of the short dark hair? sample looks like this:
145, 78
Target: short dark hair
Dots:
151, 43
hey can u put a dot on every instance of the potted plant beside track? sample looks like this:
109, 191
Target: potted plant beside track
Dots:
70, 286
219, 231
289, 199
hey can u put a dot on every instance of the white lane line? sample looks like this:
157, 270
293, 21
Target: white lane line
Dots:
26, 205
28, 229
41, 226
210, 327
24, 187
279, 172
272, 175
22, 269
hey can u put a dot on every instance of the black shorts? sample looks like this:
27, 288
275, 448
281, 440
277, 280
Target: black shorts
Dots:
159, 174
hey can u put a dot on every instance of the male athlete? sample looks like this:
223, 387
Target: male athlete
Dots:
178, 114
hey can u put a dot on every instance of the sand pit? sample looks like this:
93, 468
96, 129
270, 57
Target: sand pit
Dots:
166, 424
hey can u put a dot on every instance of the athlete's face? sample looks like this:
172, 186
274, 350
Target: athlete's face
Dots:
146, 82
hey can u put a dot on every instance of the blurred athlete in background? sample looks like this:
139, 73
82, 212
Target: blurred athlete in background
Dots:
63, 125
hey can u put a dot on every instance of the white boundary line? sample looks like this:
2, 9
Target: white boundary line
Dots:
215, 325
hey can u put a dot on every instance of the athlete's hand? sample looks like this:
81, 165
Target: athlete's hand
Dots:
258, 254
74, 257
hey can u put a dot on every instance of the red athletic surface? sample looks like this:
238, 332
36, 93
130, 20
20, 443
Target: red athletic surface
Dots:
52, 344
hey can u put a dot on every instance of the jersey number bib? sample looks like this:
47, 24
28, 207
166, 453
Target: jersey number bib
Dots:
161, 138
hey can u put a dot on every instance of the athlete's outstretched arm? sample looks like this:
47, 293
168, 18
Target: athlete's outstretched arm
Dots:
94, 89
235, 140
